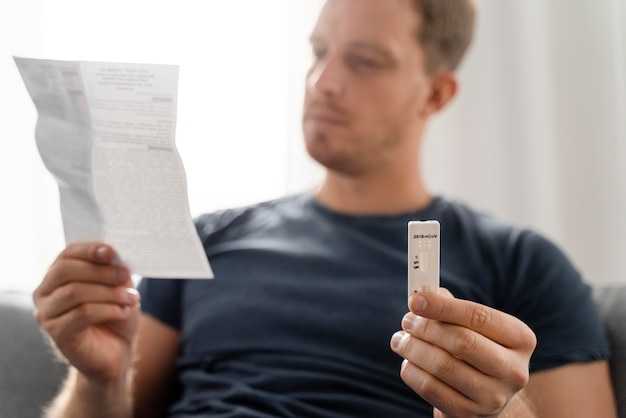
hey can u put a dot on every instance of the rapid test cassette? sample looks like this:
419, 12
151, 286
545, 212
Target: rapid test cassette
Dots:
423, 256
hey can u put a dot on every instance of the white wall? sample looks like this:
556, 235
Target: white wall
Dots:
537, 133
232, 130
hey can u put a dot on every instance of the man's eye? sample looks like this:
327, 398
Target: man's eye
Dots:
363, 62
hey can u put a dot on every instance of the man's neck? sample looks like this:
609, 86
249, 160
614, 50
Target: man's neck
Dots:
376, 195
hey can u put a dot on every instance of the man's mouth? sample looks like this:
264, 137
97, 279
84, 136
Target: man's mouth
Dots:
324, 118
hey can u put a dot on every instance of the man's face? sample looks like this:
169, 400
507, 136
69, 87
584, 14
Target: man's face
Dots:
367, 87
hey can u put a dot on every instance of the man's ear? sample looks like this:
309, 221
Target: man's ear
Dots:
443, 89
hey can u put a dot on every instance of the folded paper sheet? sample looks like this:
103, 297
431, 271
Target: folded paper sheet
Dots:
105, 131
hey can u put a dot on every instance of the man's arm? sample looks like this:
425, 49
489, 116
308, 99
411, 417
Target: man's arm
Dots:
155, 366
89, 308
577, 390
80, 397
143, 392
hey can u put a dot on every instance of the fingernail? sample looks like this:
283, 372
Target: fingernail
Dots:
132, 295
101, 253
408, 320
418, 303
396, 338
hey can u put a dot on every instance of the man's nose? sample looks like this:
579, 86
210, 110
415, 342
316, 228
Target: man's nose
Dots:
327, 78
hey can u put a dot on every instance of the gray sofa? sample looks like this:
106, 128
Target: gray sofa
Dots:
29, 376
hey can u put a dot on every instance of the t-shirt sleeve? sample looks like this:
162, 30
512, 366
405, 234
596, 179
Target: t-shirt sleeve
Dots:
549, 294
161, 298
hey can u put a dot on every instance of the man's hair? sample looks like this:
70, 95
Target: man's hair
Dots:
445, 31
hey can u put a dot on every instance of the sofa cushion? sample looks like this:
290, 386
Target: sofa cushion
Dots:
29, 374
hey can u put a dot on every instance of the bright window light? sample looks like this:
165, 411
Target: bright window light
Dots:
241, 62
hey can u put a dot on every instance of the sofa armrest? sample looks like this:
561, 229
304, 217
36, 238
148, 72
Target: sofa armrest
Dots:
611, 301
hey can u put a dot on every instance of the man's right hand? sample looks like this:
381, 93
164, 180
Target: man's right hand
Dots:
89, 308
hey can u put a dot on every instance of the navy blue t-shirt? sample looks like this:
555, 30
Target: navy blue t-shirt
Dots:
298, 319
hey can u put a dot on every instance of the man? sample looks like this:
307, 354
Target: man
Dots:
310, 288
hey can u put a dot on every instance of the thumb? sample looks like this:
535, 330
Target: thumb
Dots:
445, 292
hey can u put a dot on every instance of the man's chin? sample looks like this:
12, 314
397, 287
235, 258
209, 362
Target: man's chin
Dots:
334, 162
319, 146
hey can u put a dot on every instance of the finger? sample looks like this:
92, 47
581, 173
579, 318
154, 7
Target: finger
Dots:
72, 295
496, 325
95, 252
66, 329
449, 369
66, 270
483, 354
445, 292
441, 395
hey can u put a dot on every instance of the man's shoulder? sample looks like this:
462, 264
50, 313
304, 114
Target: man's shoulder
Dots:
493, 230
466, 215
253, 215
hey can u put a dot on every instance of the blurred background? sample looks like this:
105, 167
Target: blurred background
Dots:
537, 133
